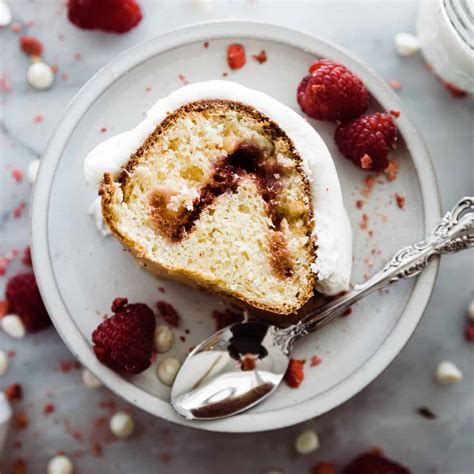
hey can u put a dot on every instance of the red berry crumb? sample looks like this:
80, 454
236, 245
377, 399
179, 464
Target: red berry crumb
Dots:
117, 16
372, 463
48, 409
395, 113
400, 200
17, 175
395, 85
31, 45
168, 313
315, 360
26, 259
206, 44
21, 420
124, 342
24, 299
392, 170
331, 92
324, 468
469, 332
236, 56
261, 57
373, 135
14, 392
295, 373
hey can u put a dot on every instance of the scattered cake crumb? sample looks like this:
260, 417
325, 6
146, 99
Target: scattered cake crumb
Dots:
364, 223
369, 183
395, 113
14, 392
17, 175
48, 409
392, 170
38, 118
359, 203
395, 85
294, 375
261, 57
168, 313
400, 200
21, 420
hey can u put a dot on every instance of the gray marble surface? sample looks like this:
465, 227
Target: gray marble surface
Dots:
384, 414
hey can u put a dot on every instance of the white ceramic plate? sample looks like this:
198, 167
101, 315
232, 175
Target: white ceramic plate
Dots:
80, 273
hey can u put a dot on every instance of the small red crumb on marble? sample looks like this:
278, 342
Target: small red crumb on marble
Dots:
206, 44
392, 170
38, 118
48, 409
147, 89
3, 303
5, 84
17, 175
395, 85
324, 468
14, 392
383, 217
261, 57
346, 313
183, 79
369, 183
295, 373
66, 366
21, 420
16, 27
26, 259
364, 222
314, 361
77, 56
469, 332
182, 338
360, 203
395, 113
103, 129
168, 313
365, 162
400, 200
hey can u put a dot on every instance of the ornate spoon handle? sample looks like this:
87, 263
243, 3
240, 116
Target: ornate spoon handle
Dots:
455, 232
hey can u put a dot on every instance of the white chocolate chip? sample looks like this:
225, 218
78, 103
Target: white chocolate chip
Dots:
60, 465
307, 442
167, 370
4, 362
40, 76
163, 338
122, 425
407, 44
90, 380
470, 310
447, 373
32, 171
5, 14
13, 326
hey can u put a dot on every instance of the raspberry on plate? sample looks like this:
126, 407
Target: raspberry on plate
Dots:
371, 463
331, 92
295, 373
370, 136
117, 16
124, 342
24, 299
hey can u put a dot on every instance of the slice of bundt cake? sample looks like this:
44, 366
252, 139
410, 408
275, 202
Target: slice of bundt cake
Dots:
216, 195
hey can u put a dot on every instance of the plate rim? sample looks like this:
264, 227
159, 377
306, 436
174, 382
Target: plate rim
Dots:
389, 348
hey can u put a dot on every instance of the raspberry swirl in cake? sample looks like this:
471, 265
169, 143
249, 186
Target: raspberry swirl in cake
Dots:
213, 155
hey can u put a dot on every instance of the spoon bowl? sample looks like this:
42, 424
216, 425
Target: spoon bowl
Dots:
231, 371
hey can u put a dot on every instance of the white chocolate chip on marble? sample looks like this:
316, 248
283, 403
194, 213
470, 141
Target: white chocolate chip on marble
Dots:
122, 425
60, 465
407, 44
163, 338
32, 171
470, 310
90, 380
13, 326
307, 442
40, 76
5, 14
4, 362
167, 370
447, 373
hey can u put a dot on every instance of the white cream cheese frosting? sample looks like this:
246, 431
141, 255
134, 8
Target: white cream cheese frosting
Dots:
333, 234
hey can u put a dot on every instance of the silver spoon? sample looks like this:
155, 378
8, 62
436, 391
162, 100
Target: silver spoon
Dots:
244, 363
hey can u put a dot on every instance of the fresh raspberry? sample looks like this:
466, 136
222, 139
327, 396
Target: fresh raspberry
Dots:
331, 92
372, 135
168, 313
31, 45
24, 299
374, 464
236, 56
295, 373
124, 342
117, 16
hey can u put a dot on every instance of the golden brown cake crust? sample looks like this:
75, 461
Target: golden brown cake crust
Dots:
184, 275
